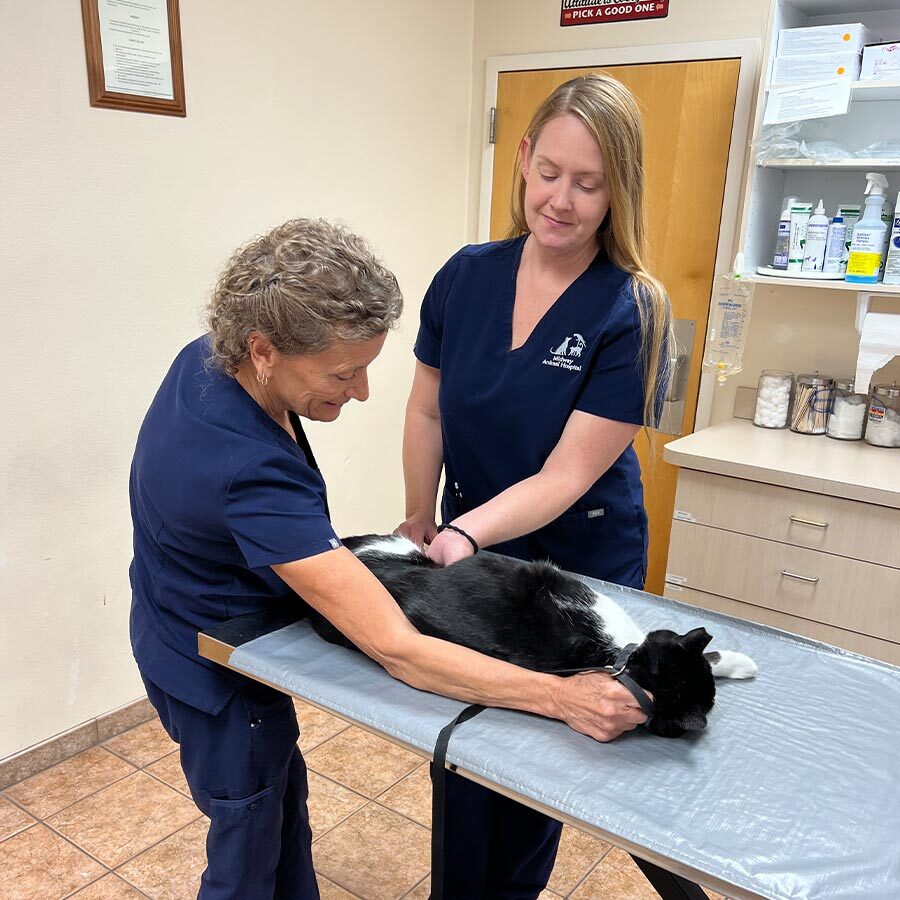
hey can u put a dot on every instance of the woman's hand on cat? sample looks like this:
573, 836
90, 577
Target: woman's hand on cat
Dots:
449, 547
598, 706
421, 530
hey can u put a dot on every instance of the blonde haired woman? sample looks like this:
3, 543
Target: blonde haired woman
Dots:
539, 359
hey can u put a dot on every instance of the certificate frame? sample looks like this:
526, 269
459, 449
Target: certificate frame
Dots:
100, 96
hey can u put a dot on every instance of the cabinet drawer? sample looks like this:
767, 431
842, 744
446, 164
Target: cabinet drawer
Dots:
830, 524
845, 593
849, 640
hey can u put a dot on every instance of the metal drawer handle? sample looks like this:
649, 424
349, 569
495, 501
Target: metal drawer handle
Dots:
800, 577
800, 521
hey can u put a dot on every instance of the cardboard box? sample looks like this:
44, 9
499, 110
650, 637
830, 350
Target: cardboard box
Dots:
815, 67
849, 38
881, 61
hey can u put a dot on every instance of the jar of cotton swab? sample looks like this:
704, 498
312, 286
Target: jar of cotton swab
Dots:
773, 398
812, 404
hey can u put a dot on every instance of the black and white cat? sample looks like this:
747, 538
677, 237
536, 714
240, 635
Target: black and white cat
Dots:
538, 617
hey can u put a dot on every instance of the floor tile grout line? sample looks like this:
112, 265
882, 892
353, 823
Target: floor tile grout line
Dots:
166, 783
108, 867
74, 895
132, 762
341, 784
305, 750
420, 881
19, 806
591, 868
328, 878
78, 847
155, 844
355, 791
341, 822
402, 815
75, 802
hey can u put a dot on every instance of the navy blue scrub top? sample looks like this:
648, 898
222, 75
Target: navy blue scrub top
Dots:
219, 493
503, 412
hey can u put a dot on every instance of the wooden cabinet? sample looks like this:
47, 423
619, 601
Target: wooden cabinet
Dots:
825, 567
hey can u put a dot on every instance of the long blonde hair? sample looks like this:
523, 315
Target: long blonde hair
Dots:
610, 113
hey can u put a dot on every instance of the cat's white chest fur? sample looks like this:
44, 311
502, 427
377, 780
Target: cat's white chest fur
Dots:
616, 622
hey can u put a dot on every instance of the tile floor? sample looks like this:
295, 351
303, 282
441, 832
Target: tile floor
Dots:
116, 822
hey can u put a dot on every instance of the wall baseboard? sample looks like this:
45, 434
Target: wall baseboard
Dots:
54, 750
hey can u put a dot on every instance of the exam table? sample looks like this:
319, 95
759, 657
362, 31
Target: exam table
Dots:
793, 790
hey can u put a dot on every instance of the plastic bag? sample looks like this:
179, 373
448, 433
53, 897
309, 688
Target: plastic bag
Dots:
824, 151
889, 149
777, 142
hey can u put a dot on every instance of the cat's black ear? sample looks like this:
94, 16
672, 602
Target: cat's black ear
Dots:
696, 640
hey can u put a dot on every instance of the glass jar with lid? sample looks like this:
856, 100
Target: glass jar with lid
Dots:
773, 398
847, 419
812, 403
883, 418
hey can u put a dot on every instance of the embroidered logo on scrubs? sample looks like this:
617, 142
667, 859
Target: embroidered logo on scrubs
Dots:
563, 355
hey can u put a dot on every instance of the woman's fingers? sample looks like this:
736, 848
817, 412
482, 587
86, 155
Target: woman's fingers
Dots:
599, 706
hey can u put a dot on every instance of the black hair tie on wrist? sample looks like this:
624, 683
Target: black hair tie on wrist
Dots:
458, 530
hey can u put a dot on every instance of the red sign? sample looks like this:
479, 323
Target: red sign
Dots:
595, 12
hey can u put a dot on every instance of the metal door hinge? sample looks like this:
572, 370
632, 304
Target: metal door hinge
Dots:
492, 126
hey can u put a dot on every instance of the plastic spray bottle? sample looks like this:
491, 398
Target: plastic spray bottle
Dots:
892, 264
816, 240
867, 247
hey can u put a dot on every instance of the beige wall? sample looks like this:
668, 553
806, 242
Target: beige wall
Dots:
114, 225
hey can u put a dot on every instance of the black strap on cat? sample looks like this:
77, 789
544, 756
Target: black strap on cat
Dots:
617, 671
438, 766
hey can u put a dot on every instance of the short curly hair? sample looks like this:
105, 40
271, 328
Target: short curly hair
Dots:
304, 285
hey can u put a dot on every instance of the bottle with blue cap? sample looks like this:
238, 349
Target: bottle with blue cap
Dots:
868, 244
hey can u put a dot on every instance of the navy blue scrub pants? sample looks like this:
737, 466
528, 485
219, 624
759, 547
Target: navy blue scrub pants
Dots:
494, 848
246, 774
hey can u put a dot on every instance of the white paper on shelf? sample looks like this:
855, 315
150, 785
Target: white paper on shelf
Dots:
807, 101
879, 343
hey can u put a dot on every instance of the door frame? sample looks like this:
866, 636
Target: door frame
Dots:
747, 50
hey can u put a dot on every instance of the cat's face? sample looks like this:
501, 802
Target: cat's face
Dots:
674, 670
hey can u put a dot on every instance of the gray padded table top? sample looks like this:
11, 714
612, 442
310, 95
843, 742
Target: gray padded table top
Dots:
793, 791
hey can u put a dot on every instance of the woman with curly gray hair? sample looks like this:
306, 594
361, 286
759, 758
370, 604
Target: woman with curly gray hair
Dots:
231, 518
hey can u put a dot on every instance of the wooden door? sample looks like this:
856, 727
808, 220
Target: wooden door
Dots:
688, 109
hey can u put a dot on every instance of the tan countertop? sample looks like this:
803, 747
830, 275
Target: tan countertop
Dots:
852, 469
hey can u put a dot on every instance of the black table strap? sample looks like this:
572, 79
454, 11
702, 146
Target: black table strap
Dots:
438, 794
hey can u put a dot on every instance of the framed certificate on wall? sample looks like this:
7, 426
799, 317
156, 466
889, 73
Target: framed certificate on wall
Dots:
133, 50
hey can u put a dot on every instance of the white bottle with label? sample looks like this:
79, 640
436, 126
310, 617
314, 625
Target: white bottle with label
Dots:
867, 247
800, 213
816, 240
835, 245
783, 236
892, 264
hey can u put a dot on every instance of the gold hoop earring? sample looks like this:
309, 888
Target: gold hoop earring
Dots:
262, 379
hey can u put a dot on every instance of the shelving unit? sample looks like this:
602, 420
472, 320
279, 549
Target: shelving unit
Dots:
844, 286
854, 164
863, 91
874, 115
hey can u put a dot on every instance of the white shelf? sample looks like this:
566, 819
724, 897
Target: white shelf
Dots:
862, 91
843, 165
827, 285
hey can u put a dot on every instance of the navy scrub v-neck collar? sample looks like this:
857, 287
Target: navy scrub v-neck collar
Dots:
509, 300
